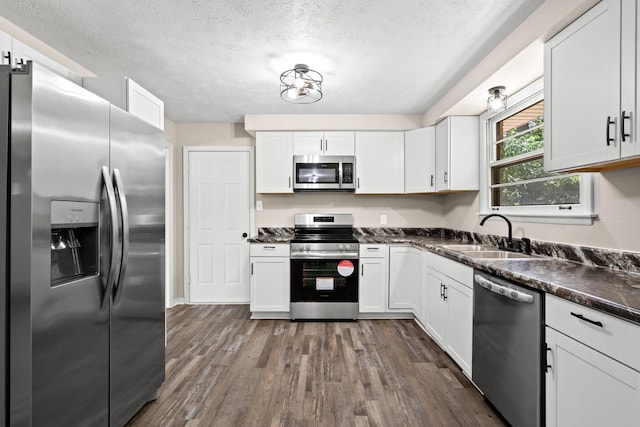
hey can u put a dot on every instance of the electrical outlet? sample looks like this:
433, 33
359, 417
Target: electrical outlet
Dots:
258, 205
383, 219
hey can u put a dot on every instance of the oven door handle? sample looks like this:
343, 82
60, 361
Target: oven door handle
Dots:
324, 255
503, 290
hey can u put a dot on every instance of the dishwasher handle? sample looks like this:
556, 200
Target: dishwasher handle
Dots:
503, 290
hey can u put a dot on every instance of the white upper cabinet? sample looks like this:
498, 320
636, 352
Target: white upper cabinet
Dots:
145, 105
591, 73
630, 76
274, 162
324, 143
457, 154
5, 48
379, 162
420, 160
20, 51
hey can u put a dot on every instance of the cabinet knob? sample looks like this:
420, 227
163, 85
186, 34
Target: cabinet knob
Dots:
244, 235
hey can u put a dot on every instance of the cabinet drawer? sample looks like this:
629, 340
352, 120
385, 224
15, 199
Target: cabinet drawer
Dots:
373, 251
608, 334
454, 269
269, 249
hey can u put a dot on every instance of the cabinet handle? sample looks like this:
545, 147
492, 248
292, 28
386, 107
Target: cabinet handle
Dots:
444, 294
609, 123
373, 249
361, 270
432, 177
8, 58
546, 358
625, 116
252, 269
441, 290
593, 322
289, 182
320, 144
358, 182
269, 247
326, 145
446, 174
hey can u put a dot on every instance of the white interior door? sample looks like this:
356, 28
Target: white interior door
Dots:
219, 221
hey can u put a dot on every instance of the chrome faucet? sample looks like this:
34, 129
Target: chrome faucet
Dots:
509, 244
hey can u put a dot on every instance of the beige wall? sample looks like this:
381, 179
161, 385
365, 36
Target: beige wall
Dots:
188, 135
617, 226
401, 211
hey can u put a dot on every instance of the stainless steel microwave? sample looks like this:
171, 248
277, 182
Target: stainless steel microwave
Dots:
328, 173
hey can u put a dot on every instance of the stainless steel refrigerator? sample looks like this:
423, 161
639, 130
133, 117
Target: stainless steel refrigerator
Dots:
81, 255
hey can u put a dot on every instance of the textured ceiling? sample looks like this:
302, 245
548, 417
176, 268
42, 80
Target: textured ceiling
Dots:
215, 61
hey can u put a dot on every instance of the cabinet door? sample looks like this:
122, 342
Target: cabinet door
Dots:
420, 161
308, 143
460, 323
373, 285
581, 84
379, 162
274, 162
587, 388
630, 69
270, 284
144, 104
436, 311
443, 155
339, 143
5, 48
405, 272
464, 158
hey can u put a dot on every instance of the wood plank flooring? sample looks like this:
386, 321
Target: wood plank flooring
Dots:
226, 370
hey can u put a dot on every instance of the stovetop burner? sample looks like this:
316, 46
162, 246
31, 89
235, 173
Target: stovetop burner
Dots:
331, 228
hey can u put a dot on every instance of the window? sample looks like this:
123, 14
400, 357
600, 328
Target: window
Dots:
515, 182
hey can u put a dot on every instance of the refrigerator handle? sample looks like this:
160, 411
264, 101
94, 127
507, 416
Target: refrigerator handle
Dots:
113, 215
124, 213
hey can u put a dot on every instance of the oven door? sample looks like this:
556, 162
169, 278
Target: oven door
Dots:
324, 280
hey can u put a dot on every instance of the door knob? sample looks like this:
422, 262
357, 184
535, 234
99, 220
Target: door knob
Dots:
244, 234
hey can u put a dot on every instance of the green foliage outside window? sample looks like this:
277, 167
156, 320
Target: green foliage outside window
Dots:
560, 190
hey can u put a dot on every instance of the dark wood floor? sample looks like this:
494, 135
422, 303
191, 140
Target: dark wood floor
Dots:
226, 370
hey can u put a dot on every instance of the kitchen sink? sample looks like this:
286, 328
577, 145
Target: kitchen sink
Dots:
494, 254
467, 248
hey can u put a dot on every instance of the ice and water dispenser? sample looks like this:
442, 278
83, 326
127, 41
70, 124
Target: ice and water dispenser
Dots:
74, 241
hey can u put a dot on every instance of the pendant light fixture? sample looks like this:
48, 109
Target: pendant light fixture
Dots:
497, 100
301, 85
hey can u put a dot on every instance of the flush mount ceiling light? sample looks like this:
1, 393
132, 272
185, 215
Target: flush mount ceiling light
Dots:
497, 100
301, 85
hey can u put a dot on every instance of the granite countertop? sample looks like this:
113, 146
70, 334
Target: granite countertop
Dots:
612, 291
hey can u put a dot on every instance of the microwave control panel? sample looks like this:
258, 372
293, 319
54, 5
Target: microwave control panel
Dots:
347, 173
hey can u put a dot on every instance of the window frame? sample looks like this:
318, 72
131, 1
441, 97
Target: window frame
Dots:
580, 214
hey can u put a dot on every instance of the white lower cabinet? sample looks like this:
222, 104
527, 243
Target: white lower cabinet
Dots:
373, 281
270, 274
586, 388
448, 311
405, 279
592, 361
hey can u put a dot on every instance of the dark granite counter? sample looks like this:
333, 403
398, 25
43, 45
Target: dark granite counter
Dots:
614, 291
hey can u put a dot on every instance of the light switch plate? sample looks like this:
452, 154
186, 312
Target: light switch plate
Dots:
383, 219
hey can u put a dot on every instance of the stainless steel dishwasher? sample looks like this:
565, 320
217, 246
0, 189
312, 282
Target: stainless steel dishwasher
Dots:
508, 348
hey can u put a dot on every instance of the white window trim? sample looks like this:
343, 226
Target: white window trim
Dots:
583, 214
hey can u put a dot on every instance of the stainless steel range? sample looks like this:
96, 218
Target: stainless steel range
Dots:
324, 268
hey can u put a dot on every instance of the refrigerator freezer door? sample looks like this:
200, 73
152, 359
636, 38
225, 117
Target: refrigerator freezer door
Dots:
137, 315
4, 228
59, 335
